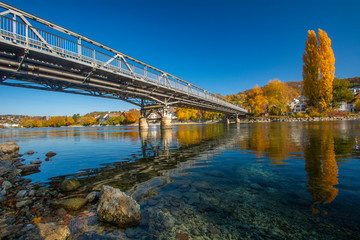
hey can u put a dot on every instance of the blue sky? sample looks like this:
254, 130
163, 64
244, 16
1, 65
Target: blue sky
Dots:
222, 46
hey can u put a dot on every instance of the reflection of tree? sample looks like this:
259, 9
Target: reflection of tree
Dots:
194, 134
272, 140
321, 167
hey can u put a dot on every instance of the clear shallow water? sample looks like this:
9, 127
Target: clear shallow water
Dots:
256, 181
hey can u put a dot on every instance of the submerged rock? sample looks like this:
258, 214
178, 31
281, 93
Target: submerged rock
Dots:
50, 154
9, 148
29, 169
49, 231
117, 208
69, 185
30, 152
182, 236
93, 196
70, 204
36, 162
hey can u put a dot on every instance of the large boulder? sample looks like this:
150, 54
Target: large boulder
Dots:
118, 208
9, 148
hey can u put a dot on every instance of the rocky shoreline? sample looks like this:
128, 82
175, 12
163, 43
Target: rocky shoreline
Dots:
34, 211
298, 119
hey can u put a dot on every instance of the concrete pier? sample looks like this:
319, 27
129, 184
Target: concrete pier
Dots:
166, 122
143, 124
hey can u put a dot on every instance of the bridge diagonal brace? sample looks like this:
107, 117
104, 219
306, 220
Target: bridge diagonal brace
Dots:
89, 75
34, 31
111, 59
126, 64
165, 76
22, 59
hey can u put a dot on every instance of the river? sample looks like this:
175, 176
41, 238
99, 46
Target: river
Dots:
250, 181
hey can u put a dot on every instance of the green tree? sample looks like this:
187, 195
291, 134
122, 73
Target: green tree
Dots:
76, 117
341, 92
357, 105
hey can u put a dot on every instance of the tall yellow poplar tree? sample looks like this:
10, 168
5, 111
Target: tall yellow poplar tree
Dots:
327, 69
311, 69
318, 69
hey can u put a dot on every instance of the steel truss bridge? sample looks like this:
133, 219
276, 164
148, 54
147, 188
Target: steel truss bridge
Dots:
38, 54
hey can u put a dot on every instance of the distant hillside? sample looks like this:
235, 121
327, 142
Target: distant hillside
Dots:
295, 84
354, 80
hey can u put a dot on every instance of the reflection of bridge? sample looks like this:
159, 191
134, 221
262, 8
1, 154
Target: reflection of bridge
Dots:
39, 54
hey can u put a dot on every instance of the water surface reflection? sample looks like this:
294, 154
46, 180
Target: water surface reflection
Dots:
248, 173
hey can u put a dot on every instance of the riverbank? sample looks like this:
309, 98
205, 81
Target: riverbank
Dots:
36, 211
242, 120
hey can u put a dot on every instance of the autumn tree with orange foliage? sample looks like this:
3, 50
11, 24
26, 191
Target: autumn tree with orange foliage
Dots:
132, 116
318, 69
69, 121
257, 100
279, 95
57, 121
86, 121
184, 114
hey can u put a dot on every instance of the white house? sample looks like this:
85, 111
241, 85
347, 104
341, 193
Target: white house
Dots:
298, 105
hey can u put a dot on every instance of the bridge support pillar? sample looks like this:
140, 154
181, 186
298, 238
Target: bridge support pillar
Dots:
237, 120
227, 121
143, 124
166, 119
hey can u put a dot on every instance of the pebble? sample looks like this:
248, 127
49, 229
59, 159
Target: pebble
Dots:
23, 203
6, 185
195, 232
32, 193
152, 202
21, 194
93, 196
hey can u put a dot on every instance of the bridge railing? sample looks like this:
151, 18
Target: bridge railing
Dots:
31, 37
